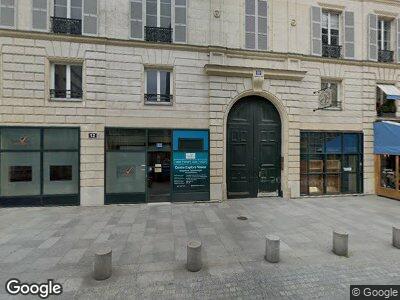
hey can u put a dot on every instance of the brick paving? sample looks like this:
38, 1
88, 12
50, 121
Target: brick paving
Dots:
149, 253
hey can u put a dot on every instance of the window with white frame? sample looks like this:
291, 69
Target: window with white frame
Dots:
384, 32
158, 85
330, 28
158, 13
7, 13
256, 24
66, 81
71, 9
39, 14
333, 88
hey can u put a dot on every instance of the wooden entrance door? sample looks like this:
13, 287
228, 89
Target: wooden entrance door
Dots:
253, 149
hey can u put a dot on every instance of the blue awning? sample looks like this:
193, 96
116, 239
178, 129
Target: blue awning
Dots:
387, 138
391, 91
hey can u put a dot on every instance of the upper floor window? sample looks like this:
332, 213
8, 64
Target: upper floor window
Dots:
68, 16
384, 45
7, 13
256, 27
330, 34
164, 20
386, 97
66, 81
39, 14
158, 85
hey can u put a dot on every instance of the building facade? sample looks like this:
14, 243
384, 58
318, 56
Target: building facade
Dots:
178, 100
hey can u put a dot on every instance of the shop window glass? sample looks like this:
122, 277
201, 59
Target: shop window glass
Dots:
330, 162
351, 143
20, 139
333, 143
20, 174
126, 172
60, 173
159, 140
61, 139
388, 171
125, 139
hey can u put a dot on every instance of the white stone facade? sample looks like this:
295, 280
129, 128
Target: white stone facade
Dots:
211, 72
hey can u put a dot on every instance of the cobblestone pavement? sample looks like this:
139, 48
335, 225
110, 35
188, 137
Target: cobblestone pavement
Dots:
149, 248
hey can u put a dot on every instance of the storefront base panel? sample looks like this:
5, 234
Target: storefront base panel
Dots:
125, 199
190, 197
56, 200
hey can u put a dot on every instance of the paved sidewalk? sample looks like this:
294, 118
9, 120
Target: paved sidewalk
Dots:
149, 248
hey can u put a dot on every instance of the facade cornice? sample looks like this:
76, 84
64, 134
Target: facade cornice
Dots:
229, 52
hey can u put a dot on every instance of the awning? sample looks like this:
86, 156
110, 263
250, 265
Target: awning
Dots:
391, 91
387, 138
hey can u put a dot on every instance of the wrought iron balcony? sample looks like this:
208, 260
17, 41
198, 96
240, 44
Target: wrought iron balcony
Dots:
158, 98
67, 94
158, 34
385, 56
333, 51
66, 26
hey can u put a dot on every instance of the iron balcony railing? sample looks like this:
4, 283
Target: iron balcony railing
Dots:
333, 51
385, 56
158, 98
158, 34
67, 94
66, 26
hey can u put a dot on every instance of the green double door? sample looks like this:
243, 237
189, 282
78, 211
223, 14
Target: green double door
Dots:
253, 149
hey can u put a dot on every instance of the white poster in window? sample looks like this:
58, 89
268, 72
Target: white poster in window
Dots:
190, 156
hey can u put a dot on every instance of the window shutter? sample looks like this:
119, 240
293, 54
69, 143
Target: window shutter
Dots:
262, 24
136, 19
349, 51
39, 14
250, 24
372, 37
398, 39
7, 13
90, 16
180, 21
316, 31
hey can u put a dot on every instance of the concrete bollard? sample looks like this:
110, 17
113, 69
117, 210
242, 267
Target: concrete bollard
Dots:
340, 243
194, 263
102, 266
396, 237
272, 244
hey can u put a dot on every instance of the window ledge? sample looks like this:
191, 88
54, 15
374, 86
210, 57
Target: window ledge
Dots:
66, 99
158, 103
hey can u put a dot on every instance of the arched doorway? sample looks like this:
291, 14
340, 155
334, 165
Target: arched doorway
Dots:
253, 149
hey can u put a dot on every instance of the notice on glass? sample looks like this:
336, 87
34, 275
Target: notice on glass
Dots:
191, 171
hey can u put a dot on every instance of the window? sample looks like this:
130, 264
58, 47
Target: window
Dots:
136, 19
331, 163
68, 16
20, 173
384, 107
158, 21
384, 34
256, 27
158, 86
39, 14
7, 13
330, 34
388, 171
384, 41
333, 88
66, 81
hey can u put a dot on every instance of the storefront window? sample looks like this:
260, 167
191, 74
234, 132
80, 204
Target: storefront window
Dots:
388, 171
330, 163
37, 163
